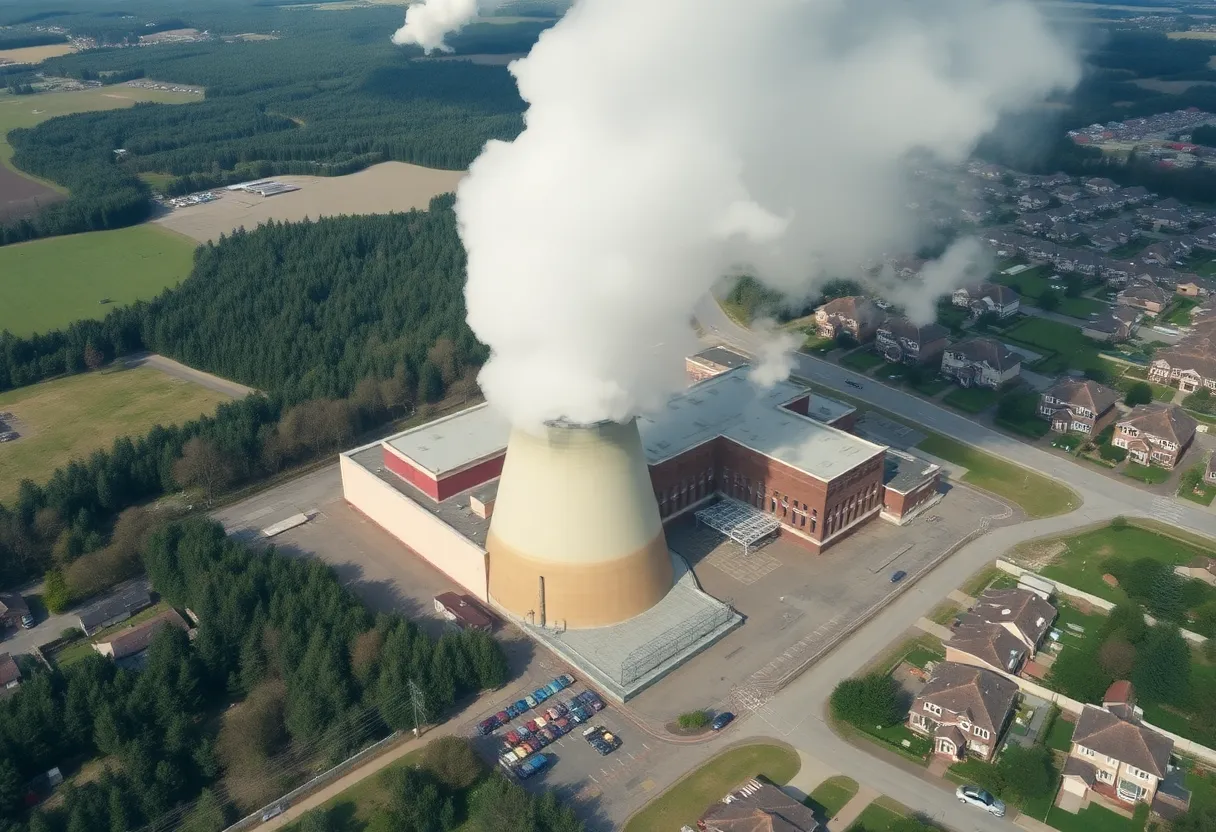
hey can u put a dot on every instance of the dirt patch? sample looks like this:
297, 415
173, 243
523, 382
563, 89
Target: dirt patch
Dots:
1040, 555
381, 189
35, 54
21, 197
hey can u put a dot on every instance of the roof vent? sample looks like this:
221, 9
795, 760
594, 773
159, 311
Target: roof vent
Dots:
1006, 611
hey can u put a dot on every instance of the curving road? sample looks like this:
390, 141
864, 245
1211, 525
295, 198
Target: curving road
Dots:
796, 714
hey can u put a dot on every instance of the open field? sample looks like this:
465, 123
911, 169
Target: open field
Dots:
684, 802
1170, 87
1191, 35
72, 417
35, 54
19, 192
49, 283
380, 189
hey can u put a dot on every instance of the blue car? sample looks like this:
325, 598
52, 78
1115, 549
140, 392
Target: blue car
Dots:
898, 576
722, 720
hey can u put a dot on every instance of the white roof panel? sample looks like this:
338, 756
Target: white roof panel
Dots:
455, 441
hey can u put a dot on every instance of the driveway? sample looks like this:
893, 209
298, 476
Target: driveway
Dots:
47, 627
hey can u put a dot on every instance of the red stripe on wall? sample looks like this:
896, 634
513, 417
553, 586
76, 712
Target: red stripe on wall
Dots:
471, 477
421, 480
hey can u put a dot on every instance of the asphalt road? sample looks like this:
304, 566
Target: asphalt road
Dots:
1095, 489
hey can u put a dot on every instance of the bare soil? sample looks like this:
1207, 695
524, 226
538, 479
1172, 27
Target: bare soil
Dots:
380, 189
22, 197
34, 54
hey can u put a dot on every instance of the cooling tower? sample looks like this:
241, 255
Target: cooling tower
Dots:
575, 538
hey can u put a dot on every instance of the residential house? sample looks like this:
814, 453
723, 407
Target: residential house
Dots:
987, 297
1034, 200
1166, 218
128, 642
758, 807
1155, 434
1111, 327
1193, 287
1069, 193
116, 607
1114, 756
1065, 232
1152, 299
981, 362
1100, 185
988, 646
964, 709
855, 316
1201, 568
1023, 614
1083, 406
1085, 208
10, 674
1161, 254
1191, 362
901, 341
12, 608
1135, 194
1035, 223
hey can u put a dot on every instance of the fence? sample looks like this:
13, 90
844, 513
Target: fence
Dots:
323, 779
1094, 600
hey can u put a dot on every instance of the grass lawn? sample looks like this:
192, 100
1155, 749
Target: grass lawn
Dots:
972, 399
921, 656
1060, 735
818, 344
47, 284
830, 796
1202, 787
1202, 495
895, 735
1037, 495
1082, 565
862, 360
1072, 349
1093, 818
71, 417
1161, 393
364, 805
1081, 307
1149, 474
78, 650
1034, 428
1029, 284
879, 816
28, 110
1179, 313
684, 802
945, 612
157, 181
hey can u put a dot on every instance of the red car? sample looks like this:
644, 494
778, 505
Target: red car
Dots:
503, 719
531, 726
513, 737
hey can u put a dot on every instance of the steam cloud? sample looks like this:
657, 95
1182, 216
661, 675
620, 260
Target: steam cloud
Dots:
429, 21
670, 143
774, 361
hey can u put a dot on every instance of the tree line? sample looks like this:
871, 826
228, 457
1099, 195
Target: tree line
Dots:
346, 323
325, 101
335, 675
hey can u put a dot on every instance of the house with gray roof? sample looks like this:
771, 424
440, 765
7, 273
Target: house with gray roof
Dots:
964, 709
1079, 405
1025, 615
901, 341
987, 297
980, 362
1155, 434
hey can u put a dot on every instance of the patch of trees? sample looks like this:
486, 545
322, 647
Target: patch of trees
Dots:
320, 675
19, 40
868, 701
1021, 774
1148, 54
325, 102
1138, 393
1204, 134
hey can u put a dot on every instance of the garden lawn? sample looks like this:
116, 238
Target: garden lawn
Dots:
1093, 818
71, 417
1081, 308
684, 802
47, 284
1081, 566
862, 360
1202, 495
78, 650
1033, 428
921, 656
1037, 495
894, 736
1031, 283
1161, 393
972, 399
879, 816
1059, 737
1180, 312
1149, 474
1071, 349
830, 796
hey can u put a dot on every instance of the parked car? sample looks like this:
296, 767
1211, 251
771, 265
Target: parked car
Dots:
274, 812
27, 621
566, 679
530, 701
722, 720
977, 797
531, 726
852, 383
487, 725
898, 575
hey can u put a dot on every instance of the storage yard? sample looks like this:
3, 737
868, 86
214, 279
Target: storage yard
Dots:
380, 189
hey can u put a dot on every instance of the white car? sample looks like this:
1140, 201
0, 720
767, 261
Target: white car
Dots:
975, 796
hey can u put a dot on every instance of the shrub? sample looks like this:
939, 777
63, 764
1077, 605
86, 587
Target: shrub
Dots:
693, 720
1079, 674
1029, 772
453, 762
1163, 667
1112, 454
56, 595
1138, 393
868, 701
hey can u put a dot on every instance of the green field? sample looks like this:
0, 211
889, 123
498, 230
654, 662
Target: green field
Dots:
47, 284
28, 110
71, 417
1149, 474
972, 399
879, 816
1072, 349
684, 802
862, 360
1037, 495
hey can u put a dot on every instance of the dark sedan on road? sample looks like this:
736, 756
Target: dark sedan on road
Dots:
722, 720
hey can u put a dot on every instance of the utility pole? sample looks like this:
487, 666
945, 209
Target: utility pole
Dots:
419, 702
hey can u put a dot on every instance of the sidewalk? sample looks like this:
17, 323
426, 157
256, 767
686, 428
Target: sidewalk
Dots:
853, 809
811, 772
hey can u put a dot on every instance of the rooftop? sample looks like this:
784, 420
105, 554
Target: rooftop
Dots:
446, 444
904, 472
722, 357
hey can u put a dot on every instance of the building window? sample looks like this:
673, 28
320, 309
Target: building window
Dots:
1137, 773
1104, 776
964, 726
983, 733
933, 709
1085, 752
1111, 761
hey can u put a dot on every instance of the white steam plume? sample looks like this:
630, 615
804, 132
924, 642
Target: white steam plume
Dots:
774, 361
429, 21
966, 260
669, 143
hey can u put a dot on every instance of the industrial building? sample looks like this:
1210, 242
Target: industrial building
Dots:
563, 530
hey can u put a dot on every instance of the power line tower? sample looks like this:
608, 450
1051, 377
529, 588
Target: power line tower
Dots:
419, 703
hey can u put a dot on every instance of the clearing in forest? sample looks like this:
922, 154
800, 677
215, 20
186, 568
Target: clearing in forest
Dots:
69, 418
34, 54
47, 284
380, 189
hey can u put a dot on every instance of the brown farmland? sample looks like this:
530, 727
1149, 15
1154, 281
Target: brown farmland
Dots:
22, 197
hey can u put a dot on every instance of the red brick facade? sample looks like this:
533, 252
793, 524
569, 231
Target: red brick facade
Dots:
897, 505
812, 513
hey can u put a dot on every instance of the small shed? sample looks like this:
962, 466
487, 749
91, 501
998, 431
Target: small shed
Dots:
463, 611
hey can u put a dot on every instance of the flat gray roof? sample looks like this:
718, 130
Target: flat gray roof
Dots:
903, 472
723, 357
824, 409
455, 441
731, 405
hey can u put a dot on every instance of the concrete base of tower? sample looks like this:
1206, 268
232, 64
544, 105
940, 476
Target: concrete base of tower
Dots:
624, 659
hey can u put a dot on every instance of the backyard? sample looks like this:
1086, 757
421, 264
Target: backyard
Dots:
1037, 495
1179, 312
1063, 347
684, 802
1032, 284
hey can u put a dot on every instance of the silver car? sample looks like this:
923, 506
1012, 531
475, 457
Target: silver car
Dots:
975, 796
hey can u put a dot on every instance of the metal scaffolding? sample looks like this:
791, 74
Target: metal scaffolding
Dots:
740, 522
